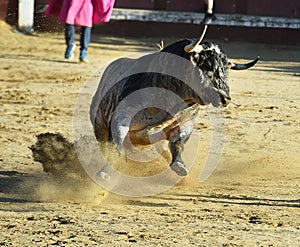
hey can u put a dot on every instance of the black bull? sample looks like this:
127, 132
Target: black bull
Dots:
152, 98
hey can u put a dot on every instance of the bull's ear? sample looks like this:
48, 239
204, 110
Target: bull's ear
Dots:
160, 45
236, 66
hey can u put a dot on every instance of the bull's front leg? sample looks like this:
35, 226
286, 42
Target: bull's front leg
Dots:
106, 171
118, 130
176, 146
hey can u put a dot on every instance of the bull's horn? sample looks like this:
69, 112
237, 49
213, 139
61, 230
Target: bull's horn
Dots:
194, 46
236, 66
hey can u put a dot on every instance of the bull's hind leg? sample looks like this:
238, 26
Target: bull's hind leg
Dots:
176, 145
177, 164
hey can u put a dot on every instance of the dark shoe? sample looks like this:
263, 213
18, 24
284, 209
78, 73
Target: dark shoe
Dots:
69, 54
208, 18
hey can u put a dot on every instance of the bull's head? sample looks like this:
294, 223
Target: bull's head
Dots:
214, 64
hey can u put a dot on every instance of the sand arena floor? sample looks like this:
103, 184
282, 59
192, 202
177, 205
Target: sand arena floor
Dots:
252, 198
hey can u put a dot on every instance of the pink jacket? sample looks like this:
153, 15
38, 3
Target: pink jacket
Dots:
81, 12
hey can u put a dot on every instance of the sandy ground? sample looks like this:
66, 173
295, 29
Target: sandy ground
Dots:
252, 198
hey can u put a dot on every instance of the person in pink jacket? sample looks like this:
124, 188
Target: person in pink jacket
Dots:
83, 13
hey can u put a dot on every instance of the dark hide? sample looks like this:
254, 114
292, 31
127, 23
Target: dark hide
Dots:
200, 82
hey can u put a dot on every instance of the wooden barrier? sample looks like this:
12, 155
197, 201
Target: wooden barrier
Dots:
196, 18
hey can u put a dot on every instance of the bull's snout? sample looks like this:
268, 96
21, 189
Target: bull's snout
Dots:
225, 98
225, 101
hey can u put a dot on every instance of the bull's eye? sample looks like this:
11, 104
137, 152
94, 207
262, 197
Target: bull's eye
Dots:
222, 86
217, 74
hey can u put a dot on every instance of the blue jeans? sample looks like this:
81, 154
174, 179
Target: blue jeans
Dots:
85, 37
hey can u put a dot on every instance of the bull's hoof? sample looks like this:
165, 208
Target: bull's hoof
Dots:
179, 168
104, 173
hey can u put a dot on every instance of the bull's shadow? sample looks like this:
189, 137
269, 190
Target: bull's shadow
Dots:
236, 200
169, 199
18, 187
